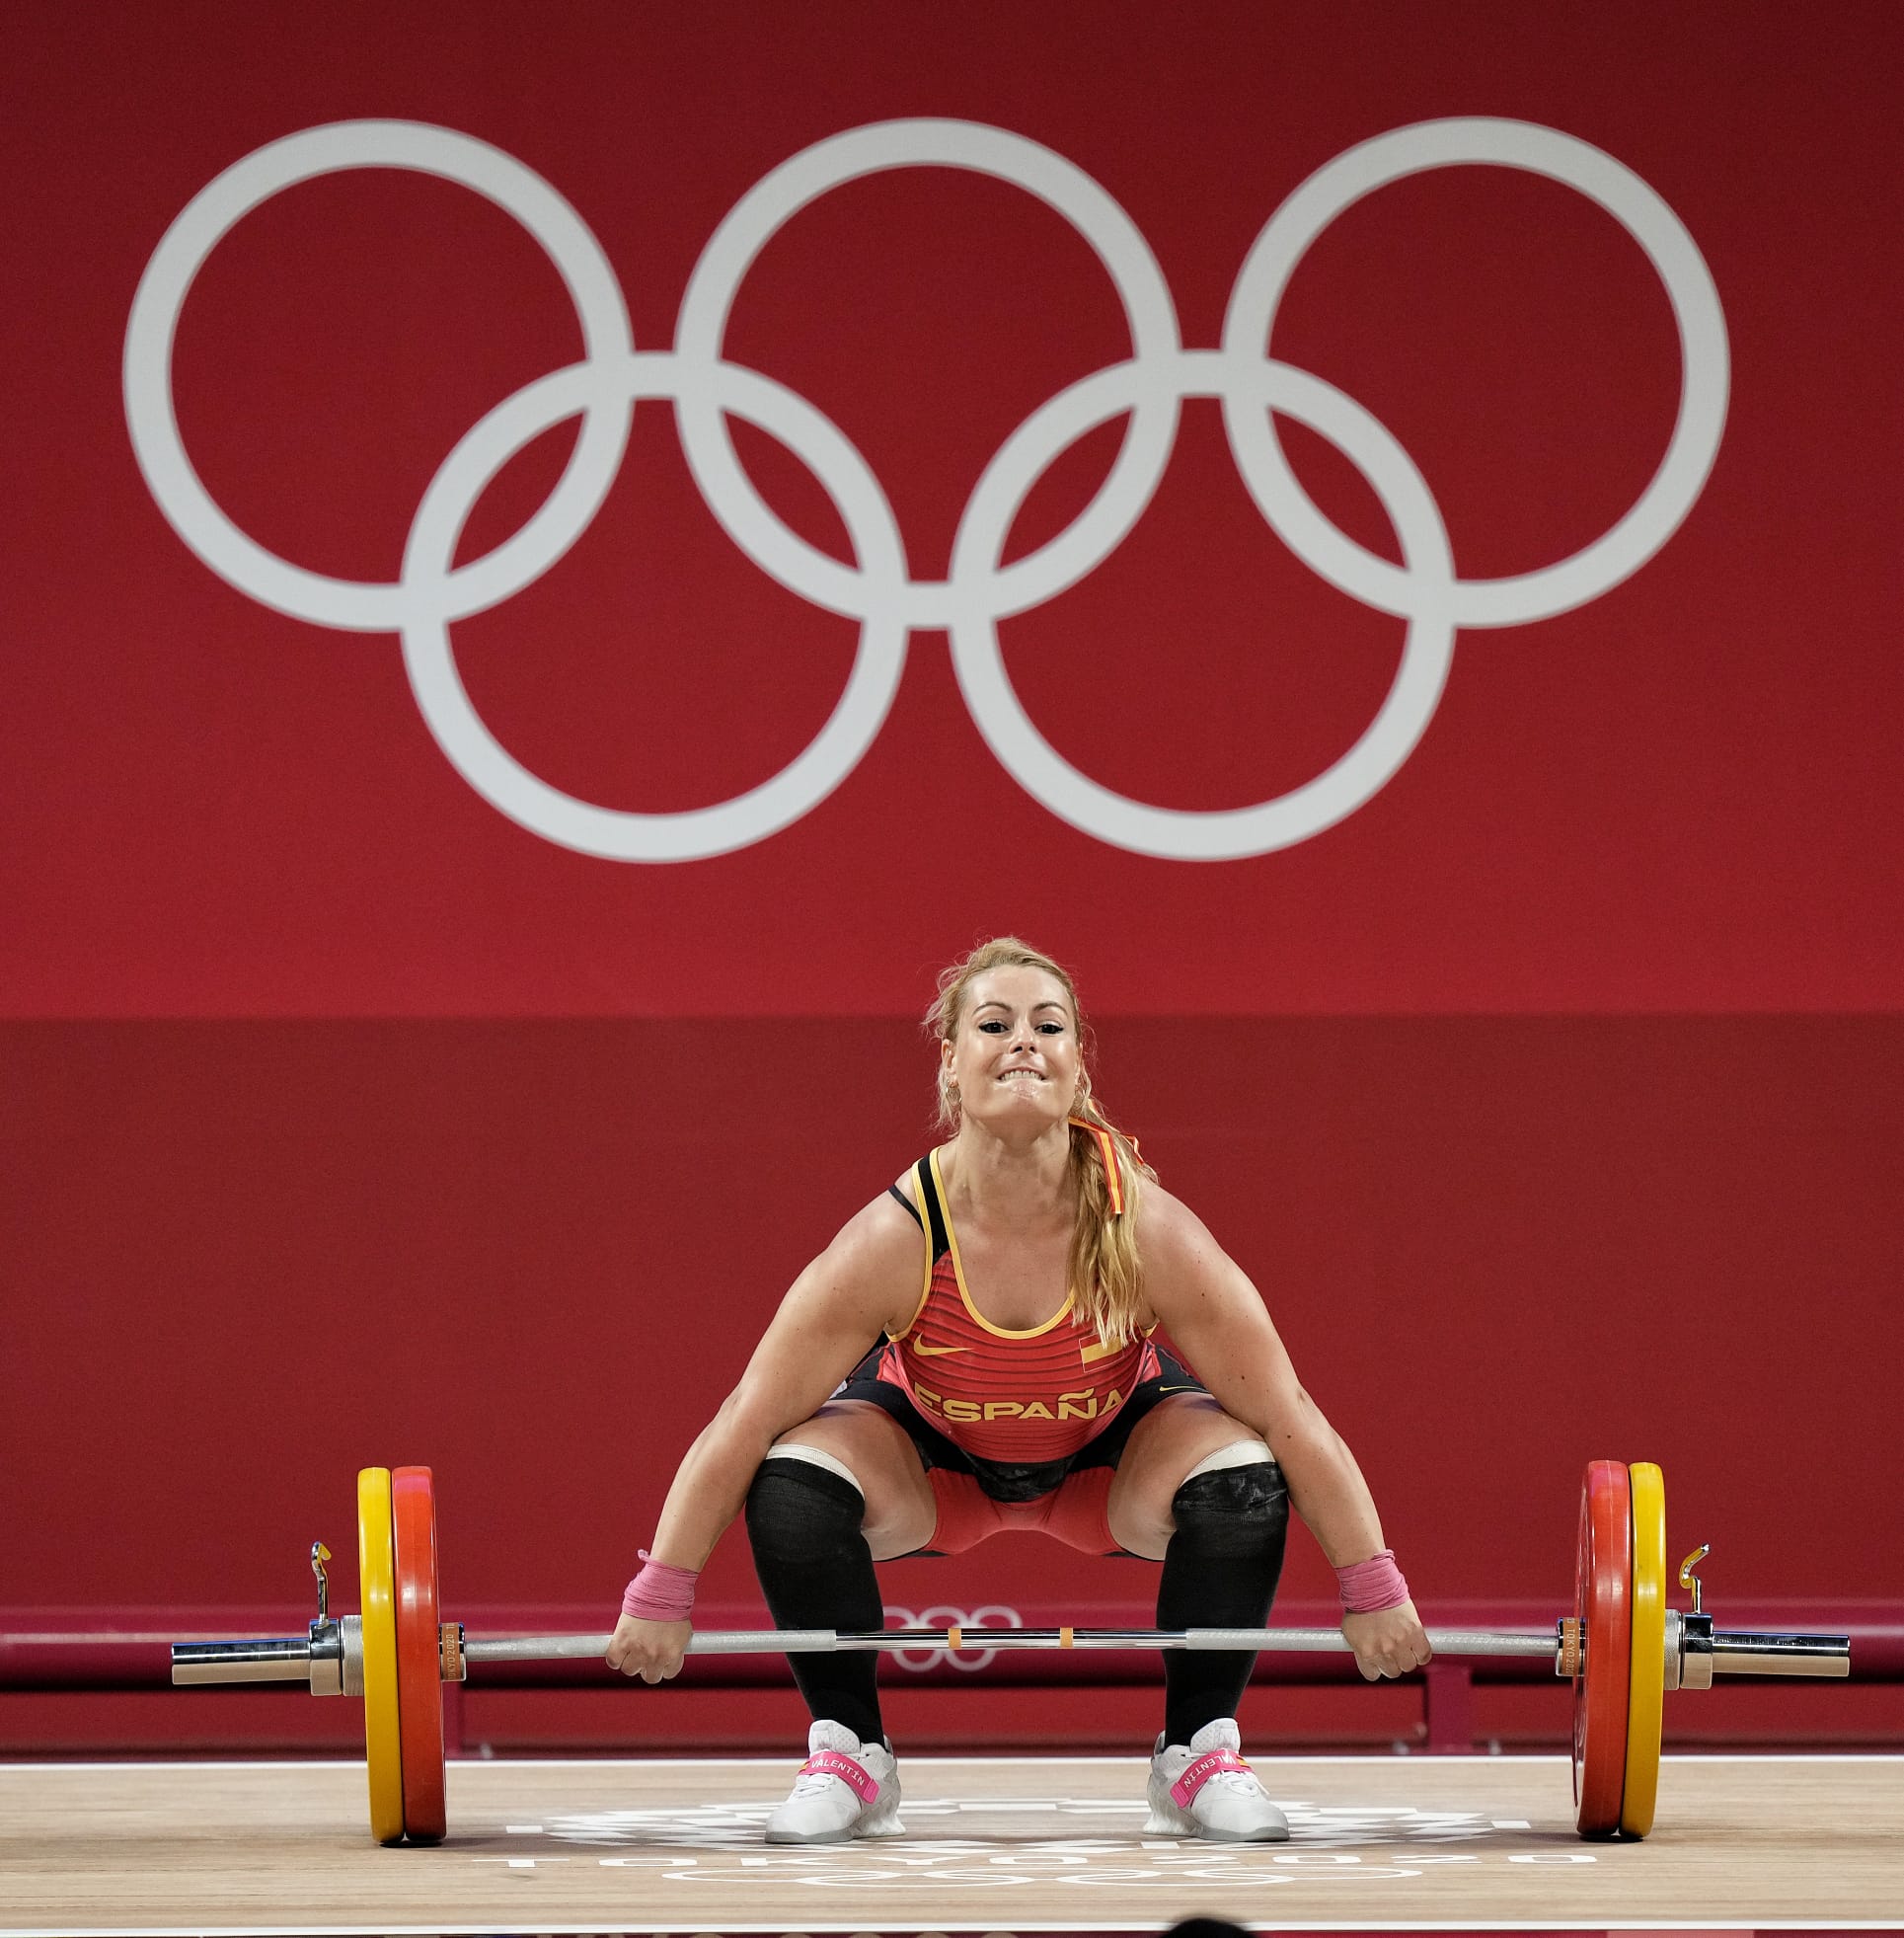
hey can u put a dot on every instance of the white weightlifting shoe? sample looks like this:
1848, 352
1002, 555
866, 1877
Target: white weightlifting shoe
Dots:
1205, 1789
844, 1789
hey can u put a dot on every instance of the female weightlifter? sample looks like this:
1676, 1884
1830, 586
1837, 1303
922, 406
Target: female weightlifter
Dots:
1009, 1287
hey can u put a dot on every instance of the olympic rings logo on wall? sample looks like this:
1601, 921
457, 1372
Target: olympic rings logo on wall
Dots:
994, 1615
877, 590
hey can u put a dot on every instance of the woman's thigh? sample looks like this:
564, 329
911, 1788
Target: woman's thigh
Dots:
878, 1451
1179, 1432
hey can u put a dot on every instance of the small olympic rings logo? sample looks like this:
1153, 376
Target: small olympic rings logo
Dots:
992, 1615
877, 590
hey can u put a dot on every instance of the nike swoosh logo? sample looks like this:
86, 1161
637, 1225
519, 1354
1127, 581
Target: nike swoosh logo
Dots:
935, 1352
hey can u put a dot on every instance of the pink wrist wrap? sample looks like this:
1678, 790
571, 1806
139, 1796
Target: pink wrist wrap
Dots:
1371, 1585
659, 1592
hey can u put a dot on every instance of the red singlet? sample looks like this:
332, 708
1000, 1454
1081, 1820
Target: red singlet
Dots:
1021, 1398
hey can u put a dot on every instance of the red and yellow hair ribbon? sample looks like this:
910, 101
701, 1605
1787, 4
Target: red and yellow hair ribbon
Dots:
1108, 1150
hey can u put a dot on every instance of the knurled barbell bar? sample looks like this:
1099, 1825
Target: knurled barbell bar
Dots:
1622, 1648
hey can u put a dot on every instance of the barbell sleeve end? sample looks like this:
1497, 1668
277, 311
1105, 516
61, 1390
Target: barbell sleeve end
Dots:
258, 1659
328, 1660
1759, 1652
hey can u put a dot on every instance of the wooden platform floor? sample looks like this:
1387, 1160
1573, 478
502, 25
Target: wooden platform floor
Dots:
992, 1845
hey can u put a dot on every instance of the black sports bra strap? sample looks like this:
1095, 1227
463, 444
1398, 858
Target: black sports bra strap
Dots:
910, 1208
935, 1211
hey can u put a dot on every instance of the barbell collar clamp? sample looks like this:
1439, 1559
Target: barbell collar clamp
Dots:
1695, 1651
327, 1658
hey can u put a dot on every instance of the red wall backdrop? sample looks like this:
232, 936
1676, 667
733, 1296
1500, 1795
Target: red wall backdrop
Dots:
1551, 1095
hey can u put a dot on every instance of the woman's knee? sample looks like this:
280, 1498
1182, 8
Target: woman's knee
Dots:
799, 1507
1190, 1447
1239, 1506
864, 1447
812, 1450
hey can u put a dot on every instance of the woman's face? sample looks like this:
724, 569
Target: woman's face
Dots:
1016, 1057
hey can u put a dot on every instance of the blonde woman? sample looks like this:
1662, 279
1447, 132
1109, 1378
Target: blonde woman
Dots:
974, 1352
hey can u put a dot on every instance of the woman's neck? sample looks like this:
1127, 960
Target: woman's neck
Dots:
1004, 1180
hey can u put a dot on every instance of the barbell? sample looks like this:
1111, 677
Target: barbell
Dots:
1622, 1648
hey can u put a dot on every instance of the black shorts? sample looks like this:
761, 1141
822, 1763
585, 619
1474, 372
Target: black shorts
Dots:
1001, 1480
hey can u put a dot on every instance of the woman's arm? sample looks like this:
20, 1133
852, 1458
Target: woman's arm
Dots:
864, 1284
831, 1315
1208, 1307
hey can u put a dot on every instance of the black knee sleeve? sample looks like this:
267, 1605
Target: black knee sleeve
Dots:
795, 1509
1235, 1511
1220, 1571
815, 1571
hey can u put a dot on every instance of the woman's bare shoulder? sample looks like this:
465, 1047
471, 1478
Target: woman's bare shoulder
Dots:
882, 1226
1181, 1257
1166, 1225
873, 1260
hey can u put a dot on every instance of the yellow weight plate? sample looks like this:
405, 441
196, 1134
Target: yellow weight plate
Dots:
376, 1588
1647, 1684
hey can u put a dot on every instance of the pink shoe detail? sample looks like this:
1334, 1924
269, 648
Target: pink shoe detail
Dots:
1199, 1773
830, 1762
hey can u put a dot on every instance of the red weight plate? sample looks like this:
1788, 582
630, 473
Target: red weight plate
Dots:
419, 1672
1603, 1601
